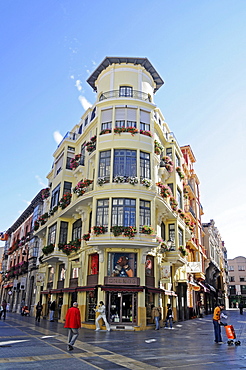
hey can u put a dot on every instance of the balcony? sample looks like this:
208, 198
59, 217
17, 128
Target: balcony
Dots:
71, 136
134, 94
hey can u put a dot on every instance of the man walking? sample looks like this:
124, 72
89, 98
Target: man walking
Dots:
73, 323
102, 315
216, 322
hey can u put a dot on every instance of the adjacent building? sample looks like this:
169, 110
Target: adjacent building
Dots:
237, 281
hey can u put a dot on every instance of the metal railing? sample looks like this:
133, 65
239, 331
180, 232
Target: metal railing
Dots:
69, 136
135, 94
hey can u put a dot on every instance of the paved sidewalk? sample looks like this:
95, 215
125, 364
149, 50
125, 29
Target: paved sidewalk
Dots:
26, 344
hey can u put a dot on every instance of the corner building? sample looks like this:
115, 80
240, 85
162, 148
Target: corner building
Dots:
113, 226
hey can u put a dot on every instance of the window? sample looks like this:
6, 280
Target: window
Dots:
93, 264
232, 289
58, 164
69, 157
86, 121
241, 268
177, 160
102, 212
67, 187
125, 162
106, 119
61, 272
243, 289
231, 278
144, 165
163, 231
93, 114
145, 218
171, 232
51, 274
63, 232
149, 266
231, 268
126, 91
169, 152
126, 117
104, 164
179, 199
52, 234
144, 120
124, 212
75, 269
55, 196
122, 264
242, 279
181, 236
170, 186
77, 227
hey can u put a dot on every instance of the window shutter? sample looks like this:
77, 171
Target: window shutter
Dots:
107, 115
144, 117
131, 114
120, 114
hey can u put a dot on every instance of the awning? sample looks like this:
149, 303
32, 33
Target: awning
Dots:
195, 286
211, 288
121, 289
8, 285
45, 292
170, 292
154, 290
206, 290
85, 288
53, 291
69, 290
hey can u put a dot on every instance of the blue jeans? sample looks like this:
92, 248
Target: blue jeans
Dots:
217, 331
157, 323
72, 336
170, 320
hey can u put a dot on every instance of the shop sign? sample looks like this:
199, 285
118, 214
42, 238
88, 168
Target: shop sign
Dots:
165, 272
39, 278
121, 281
15, 283
23, 283
194, 267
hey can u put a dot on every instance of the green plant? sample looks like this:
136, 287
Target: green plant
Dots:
180, 173
165, 190
70, 247
182, 250
117, 230
173, 204
147, 230
105, 131
98, 230
158, 148
65, 200
132, 180
80, 188
48, 249
86, 237
146, 182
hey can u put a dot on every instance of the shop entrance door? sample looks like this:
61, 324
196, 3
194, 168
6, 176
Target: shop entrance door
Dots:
122, 307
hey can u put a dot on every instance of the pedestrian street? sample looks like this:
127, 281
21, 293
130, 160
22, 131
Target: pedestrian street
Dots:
25, 344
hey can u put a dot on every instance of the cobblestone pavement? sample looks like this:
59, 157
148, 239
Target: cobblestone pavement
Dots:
25, 344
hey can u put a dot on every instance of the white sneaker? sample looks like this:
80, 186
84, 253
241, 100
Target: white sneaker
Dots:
108, 329
97, 329
166, 327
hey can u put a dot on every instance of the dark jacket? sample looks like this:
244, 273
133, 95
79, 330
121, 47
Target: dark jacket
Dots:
53, 306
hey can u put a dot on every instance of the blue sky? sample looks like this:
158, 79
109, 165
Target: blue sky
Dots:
48, 50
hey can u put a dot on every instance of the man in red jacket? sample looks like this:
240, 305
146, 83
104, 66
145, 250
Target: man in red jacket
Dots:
73, 323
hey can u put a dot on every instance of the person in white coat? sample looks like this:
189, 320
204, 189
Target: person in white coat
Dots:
102, 315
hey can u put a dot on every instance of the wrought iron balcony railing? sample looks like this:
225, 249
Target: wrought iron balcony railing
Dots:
135, 94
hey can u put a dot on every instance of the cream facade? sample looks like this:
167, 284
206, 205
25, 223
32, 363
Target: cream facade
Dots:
120, 220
